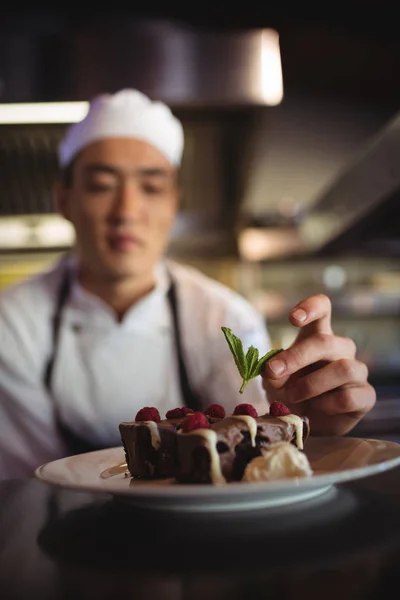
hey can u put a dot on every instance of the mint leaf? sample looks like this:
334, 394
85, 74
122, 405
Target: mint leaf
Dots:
249, 365
236, 347
261, 363
251, 359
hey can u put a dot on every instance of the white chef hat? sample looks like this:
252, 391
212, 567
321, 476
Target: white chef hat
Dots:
127, 113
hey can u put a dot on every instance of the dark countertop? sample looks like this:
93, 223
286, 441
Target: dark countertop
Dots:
60, 544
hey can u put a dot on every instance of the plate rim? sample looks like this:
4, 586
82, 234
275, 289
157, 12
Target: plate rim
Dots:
236, 489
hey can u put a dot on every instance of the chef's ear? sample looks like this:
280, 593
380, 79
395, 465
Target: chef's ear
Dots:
61, 188
60, 194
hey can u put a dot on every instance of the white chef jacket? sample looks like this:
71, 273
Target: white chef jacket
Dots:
106, 370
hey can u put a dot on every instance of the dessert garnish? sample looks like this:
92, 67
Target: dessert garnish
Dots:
196, 420
215, 411
148, 413
174, 413
245, 409
278, 409
280, 461
249, 365
178, 413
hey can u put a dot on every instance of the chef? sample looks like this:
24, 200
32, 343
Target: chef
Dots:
114, 325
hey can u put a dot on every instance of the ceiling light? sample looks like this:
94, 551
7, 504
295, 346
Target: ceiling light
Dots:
271, 68
42, 112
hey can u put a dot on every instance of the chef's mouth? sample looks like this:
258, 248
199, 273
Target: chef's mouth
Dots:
124, 242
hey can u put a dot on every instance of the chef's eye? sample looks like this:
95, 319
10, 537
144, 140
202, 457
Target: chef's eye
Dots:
99, 187
153, 189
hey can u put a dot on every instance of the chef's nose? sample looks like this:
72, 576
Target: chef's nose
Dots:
129, 202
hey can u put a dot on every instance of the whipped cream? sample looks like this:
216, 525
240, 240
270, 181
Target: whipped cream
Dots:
280, 461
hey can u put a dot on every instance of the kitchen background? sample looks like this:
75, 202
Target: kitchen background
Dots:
283, 196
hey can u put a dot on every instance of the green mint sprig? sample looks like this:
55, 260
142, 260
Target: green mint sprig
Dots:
249, 365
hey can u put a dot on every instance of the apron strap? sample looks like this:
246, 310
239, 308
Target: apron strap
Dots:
190, 398
61, 301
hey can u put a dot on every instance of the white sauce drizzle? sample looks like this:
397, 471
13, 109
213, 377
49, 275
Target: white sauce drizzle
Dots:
251, 424
298, 423
210, 439
154, 433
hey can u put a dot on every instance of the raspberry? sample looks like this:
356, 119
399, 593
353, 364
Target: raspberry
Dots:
148, 413
193, 421
216, 411
245, 409
277, 409
178, 413
175, 413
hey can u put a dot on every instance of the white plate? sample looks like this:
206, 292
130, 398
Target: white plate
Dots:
334, 460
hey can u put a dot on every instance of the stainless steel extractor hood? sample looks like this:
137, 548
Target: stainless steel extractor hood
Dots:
167, 60
360, 209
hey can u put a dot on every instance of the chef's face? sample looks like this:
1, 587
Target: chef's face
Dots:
121, 199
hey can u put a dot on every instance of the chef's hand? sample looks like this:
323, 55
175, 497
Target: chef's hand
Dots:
319, 375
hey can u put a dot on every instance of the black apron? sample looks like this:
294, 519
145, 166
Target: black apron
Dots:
74, 443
